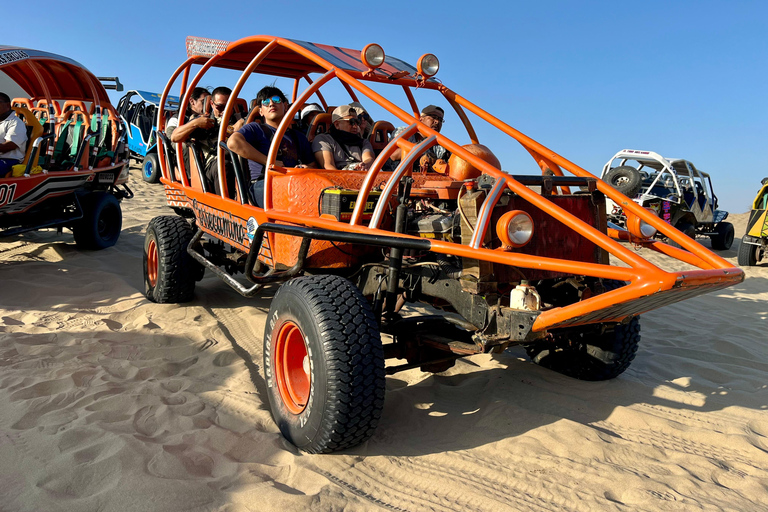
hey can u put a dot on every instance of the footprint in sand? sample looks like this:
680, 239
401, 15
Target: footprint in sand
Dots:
112, 325
10, 321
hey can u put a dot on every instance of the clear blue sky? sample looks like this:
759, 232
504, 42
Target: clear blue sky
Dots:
686, 79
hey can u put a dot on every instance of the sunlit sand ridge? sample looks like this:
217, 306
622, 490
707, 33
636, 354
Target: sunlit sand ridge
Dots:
112, 403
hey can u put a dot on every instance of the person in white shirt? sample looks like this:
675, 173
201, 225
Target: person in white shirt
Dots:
13, 137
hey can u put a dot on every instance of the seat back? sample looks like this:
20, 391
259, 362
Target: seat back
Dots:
380, 134
70, 135
22, 102
241, 106
320, 124
34, 130
44, 104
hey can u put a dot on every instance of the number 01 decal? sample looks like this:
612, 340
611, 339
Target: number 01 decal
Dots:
6, 193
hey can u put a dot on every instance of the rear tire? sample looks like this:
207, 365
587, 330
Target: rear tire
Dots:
749, 254
169, 271
150, 168
589, 354
723, 240
626, 179
324, 364
101, 223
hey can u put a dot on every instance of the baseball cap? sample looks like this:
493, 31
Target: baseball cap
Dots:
430, 110
358, 107
312, 107
341, 112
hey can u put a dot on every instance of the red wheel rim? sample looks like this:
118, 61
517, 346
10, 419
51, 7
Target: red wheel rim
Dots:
291, 363
152, 263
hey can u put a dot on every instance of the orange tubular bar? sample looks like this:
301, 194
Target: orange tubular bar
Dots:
228, 113
284, 124
161, 122
649, 285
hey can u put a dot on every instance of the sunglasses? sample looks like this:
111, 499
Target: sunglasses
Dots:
364, 116
353, 121
218, 106
274, 99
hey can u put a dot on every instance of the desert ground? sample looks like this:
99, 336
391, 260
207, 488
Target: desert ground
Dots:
109, 402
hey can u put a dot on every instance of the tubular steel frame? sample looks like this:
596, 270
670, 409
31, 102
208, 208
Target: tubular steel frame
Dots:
646, 279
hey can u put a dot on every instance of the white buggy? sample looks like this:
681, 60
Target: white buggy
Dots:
672, 188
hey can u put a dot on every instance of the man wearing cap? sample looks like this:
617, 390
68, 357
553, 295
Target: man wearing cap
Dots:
343, 147
253, 141
13, 137
308, 113
432, 116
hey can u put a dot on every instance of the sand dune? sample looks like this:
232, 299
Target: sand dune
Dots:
111, 403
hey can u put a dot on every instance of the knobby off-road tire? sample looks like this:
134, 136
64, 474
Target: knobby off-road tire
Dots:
749, 254
324, 364
101, 223
723, 240
150, 168
626, 179
588, 355
169, 271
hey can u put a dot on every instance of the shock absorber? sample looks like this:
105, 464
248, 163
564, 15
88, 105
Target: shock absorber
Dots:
396, 253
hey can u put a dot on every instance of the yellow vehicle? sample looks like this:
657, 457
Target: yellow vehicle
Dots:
755, 240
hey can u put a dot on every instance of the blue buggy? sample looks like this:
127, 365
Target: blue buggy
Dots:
139, 111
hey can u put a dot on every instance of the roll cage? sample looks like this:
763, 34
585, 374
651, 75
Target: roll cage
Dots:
649, 286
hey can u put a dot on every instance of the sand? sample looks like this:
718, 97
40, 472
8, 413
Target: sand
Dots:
111, 403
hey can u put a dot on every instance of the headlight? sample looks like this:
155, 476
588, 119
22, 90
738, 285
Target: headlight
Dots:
638, 227
372, 55
515, 228
428, 65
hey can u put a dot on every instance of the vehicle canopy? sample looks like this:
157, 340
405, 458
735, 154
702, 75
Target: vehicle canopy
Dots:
649, 288
171, 104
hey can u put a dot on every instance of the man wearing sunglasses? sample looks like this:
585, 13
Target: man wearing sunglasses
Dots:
203, 128
253, 141
343, 147
432, 116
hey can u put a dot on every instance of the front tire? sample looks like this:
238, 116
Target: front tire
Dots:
324, 364
101, 223
150, 168
723, 240
749, 254
169, 271
590, 353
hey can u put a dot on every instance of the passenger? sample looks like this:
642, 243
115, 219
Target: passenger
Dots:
308, 113
253, 140
197, 102
204, 129
366, 123
13, 137
342, 147
433, 117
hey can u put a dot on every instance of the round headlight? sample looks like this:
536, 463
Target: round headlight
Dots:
638, 227
647, 230
372, 56
428, 65
515, 228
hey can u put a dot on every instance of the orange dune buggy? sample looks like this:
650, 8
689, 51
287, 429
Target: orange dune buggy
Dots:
515, 259
75, 168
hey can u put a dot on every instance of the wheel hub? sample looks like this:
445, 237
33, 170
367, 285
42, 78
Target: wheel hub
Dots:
152, 263
292, 367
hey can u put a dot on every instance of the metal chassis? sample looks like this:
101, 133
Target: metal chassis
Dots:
645, 279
